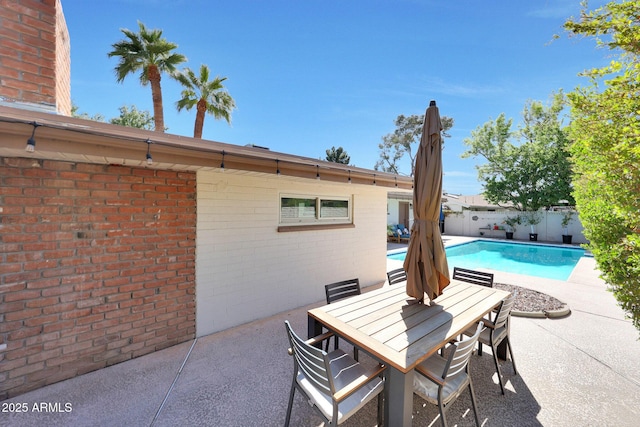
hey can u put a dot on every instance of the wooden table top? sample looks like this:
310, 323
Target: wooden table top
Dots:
388, 323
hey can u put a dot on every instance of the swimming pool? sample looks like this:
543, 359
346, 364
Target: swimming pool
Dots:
551, 262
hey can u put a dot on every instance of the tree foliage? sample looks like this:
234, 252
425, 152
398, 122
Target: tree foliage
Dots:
338, 155
134, 118
605, 130
150, 55
75, 113
402, 141
208, 96
527, 168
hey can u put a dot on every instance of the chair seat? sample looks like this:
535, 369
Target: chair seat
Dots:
428, 390
346, 370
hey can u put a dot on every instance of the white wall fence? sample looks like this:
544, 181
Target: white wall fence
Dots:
472, 223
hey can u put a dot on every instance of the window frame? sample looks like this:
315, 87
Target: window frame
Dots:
318, 221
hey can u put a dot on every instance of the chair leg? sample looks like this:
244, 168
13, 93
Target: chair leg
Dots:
495, 360
326, 345
380, 408
473, 403
513, 361
355, 353
479, 348
293, 391
443, 417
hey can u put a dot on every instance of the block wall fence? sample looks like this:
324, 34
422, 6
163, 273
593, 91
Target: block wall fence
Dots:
472, 223
97, 266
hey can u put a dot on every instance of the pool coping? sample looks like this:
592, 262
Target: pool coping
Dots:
550, 314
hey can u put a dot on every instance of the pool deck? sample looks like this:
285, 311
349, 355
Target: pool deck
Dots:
583, 370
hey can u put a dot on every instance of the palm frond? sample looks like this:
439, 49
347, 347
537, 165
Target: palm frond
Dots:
199, 88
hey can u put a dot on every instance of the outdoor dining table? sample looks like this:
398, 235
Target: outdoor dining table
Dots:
401, 333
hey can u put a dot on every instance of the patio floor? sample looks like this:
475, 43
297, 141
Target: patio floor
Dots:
580, 370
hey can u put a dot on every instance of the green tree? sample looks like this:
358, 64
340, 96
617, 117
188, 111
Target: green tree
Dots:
606, 149
401, 142
338, 155
133, 118
528, 168
149, 54
208, 96
96, 117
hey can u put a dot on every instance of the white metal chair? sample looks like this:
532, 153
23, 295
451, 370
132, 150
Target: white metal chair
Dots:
334, 383
441, 380
496, 332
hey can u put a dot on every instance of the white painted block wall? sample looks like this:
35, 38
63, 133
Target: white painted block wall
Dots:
247, 270
468, 223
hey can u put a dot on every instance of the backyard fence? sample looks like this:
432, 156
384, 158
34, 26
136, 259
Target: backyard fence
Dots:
483, 224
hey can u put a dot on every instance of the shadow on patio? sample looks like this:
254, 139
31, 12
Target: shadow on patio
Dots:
570, 372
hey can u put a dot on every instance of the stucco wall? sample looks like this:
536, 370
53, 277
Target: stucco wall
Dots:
246, 269
393, 212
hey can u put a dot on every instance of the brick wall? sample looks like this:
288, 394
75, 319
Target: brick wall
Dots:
32, 62
62, 64
97, 266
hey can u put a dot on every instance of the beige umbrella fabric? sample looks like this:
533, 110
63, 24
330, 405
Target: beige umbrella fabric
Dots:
426, 261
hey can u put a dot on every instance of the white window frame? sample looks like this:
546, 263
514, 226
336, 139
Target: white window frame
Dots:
317, 219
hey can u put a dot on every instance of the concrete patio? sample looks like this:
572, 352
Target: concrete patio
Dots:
581, 370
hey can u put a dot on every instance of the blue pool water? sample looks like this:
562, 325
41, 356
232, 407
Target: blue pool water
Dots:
551, 262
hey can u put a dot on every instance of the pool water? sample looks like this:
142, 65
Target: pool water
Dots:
551, 262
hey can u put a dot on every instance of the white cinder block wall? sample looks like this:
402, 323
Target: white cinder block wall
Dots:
468, 223
247, 270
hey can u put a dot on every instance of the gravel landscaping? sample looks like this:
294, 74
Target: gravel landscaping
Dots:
528, 300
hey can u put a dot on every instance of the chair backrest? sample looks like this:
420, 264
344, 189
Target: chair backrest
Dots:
505, 310
396, 276
459, 359
311, 361
344, 289
473, 276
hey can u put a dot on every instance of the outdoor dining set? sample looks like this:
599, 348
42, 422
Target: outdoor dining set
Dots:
419, 348
422, 334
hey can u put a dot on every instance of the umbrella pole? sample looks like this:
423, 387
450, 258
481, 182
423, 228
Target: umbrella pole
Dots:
422, 279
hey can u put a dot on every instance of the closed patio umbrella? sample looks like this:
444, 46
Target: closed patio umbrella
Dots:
426, 261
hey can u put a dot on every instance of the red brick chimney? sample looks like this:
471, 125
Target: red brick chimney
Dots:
35, 56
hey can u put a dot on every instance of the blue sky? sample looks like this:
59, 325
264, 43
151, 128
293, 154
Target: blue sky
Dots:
310, 74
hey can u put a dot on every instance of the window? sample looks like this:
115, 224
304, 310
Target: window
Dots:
295, 209
308, 210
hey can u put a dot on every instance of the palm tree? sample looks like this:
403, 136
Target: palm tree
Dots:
150, 54
208, 97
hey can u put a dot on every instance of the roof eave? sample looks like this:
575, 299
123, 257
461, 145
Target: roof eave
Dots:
73, 139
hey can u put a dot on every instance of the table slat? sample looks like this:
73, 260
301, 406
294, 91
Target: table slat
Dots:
395, 329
